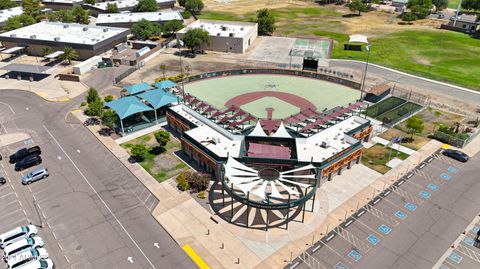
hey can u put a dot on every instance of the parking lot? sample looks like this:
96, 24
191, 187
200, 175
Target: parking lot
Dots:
91, 211
406, 225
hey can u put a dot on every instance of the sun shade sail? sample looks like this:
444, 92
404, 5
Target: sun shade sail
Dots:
137, 88
165, 84
127, 106
158, 98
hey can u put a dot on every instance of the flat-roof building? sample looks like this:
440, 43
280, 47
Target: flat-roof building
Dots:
227, 36
61, 4
87, 40
124, 5
6, 14
127, 19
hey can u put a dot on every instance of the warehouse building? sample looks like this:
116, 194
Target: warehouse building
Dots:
226, 36
6, 14
124, 5
87, 40
126, 20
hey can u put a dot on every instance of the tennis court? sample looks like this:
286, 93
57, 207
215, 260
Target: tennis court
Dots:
285, 94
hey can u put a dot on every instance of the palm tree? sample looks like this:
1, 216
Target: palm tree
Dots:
163, 67
69, 54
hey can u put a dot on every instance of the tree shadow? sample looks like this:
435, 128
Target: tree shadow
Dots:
157, 150
105, 131
91, 122
351, 15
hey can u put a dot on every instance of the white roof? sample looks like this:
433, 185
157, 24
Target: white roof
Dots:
258, 130
358, 38
164, 15
5, 14
221, 28
334, 139
122, 3
63, 1
281, 131
65, 32
219, 144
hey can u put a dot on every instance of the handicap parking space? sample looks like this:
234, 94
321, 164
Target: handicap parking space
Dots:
328, 257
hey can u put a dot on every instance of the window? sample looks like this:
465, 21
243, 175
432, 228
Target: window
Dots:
43, 264
14, 236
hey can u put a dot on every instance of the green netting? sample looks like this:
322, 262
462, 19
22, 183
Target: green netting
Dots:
310, 48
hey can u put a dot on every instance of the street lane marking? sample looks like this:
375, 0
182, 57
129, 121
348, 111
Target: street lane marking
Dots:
99, 197
194, 256
11, 109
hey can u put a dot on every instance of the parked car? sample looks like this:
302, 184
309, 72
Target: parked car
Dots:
26, 256
25, 152
29, 161
38, 264
17, 234
456, 154
30, 242
34, 175
3, 180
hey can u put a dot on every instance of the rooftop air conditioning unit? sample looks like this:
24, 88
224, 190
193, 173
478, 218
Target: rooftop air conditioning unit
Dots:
231, 34
33, 36
325, 144
105, 29
65, 26
56, 38
218, 34
13, 35
85, 28
224, 28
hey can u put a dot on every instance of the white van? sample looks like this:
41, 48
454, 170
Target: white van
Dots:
17, 234
26, 256
15, 248
38, 264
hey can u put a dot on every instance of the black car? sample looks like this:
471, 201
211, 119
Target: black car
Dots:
22, 153
29, 161
456, 154
3, 180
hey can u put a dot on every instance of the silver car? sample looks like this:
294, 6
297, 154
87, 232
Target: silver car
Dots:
34, 175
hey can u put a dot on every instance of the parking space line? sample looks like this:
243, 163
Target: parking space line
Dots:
407, 195
382, 216
11, 213
475, 256
8, 194
352, 239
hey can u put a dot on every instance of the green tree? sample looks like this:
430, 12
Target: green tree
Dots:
265, 21
415, 125
4, 4
163, 68
171, 27
144, 29
162, 137
182, 2
95, 108
421, 8
440, 4
92, 95
146, 6
69, 54
358, 5
112, 8
18, 21
63, 15
108, 98
138, 152
182, 183
33, 8
195, 6
198, 181
81, 15
195, 38
471, 4
109, 117
408, 16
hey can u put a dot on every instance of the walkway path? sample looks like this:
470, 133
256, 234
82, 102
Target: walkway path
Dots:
395, 146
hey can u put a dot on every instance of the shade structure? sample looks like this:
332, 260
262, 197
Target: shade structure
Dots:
165, 84
138, 88
158, 98
127, 106
26, 68
268, 151
358, 39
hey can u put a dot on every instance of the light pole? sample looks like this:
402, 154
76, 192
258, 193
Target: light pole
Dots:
365, 72
180, 45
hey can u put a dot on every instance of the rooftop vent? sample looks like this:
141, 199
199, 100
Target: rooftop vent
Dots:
65, 26
231, 34
85, 28
105, 29
218, 34
56, 38
33, 36
224, 28
108, 15
13, 35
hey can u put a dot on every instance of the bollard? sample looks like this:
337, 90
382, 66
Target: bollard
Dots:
208, 231
222, 246
238, 260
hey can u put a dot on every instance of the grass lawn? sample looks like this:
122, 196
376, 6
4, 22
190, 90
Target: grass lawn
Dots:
416, 144
453, 3
161, 166
377, 157
436, 54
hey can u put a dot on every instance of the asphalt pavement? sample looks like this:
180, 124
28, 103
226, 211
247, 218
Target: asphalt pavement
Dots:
94, 213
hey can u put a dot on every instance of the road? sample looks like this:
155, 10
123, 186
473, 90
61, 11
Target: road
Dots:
409, 226
406, 81
95, 213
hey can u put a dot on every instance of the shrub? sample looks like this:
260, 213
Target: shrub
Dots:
83, 103
202, 195
176, 78
162, 138
182, 183
94, 108
138, 152
92, 95
408, 16
108, 98
186, 14
109, 117
198, 181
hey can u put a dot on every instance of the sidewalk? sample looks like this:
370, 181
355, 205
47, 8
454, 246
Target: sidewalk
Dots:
287, 253
395, 146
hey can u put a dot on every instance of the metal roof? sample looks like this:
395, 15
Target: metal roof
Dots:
165, 84
127, 106
158, 98
138, 88
26, 68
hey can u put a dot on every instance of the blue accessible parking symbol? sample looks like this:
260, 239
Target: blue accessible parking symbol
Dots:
411, 207
445, 176
399, 214
384, 229
340, 265
424, 194
452, 169
444, 267
475, 229
373, 239
354, 255
433, 187
469, 241
455, 257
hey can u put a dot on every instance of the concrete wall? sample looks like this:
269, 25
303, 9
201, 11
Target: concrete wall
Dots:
235, 44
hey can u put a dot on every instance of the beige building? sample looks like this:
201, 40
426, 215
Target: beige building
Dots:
226, 36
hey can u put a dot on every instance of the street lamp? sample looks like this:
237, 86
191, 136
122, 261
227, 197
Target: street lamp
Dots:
180, 44
365, 72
